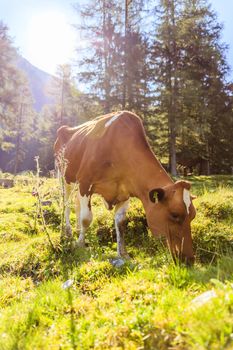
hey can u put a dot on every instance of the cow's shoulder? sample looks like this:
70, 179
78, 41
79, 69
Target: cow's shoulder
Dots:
112, 121
119, 116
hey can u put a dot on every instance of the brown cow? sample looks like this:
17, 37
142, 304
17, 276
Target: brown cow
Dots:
110, 156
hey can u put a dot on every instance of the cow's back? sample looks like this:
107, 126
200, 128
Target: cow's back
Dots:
98, 151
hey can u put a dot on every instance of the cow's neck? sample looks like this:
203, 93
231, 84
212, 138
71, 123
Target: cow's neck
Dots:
147, 174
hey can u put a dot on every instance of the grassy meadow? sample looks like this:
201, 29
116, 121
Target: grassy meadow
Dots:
147, 303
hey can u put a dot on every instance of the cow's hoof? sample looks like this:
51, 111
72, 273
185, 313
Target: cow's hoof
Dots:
64, 239
68, 232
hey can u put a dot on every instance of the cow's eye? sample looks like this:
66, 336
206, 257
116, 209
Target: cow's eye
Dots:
175, 216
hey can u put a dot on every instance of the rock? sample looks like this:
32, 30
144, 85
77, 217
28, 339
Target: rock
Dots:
117, 262
203, 298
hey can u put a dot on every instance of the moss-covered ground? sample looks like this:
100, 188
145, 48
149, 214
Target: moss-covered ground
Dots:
147, 303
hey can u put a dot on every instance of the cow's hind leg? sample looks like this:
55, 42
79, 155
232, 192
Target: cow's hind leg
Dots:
120, 216
84, 216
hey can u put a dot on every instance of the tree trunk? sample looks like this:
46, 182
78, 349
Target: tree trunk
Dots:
106, 75
172, 88
125, 57
62, 101
17, 148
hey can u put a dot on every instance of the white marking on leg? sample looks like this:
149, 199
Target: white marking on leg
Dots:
186, 199
85, 217
120, 215
110, 121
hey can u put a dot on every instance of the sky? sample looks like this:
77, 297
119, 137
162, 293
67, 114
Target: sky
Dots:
42, 29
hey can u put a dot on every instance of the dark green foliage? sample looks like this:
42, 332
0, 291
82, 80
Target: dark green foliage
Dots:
51, 215
217, 211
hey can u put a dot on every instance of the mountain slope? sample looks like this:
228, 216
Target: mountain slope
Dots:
38, 81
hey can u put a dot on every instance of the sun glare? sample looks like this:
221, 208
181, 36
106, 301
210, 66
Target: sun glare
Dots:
51, 40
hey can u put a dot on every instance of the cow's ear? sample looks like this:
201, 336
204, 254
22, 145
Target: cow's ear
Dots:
156, 195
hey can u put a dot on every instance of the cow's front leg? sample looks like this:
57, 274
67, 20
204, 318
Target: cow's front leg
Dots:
120, 216
84, 216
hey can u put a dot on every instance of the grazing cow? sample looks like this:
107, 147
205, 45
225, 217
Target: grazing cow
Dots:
110, 156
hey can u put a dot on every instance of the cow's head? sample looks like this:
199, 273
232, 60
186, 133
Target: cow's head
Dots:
169, 212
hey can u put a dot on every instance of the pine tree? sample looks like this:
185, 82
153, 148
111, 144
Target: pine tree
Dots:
10, 80
115, 66
165, 59
190, 70
63, 92
135, 82
97, 65
204, 71
23, 128
16, 107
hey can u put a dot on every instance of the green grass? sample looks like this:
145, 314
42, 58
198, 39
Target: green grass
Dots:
145, 304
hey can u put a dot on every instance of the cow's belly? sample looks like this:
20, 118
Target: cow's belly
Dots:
112, 192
